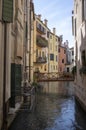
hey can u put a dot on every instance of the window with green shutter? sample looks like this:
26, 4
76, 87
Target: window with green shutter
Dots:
7, 14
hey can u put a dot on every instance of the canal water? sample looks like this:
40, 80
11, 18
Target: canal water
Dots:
55, 109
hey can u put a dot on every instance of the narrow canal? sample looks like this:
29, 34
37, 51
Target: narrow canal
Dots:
55, 110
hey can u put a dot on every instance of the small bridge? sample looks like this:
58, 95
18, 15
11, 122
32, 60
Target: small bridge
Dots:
54, 76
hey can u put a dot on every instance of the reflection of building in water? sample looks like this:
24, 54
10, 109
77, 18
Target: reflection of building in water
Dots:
59, 88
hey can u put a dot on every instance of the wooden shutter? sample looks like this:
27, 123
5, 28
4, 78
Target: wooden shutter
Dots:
7, 14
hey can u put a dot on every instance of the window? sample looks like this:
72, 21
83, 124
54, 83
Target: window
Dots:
72, 60
82, 10
45, 68
51, 56
7, 14
62, 60
43, 29
59, 50
48, 34
39, 26
67, 69
83, 58
72, 53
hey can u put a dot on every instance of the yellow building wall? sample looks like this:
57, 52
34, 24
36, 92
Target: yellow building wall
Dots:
43, 67
50, 65
53, 49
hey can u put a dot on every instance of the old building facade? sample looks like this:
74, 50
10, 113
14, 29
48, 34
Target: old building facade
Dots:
53, 51
71, 63
79, 32
28, 40
17, 41
16, 34
5, 58
62, 58
40, 45
45, 47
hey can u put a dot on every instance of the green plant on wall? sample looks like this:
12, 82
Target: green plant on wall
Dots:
42, 42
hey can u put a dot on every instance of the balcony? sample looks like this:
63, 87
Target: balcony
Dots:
40, 29
41, 42
41, 59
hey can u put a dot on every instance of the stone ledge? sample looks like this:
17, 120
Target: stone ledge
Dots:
12, 114
81, 103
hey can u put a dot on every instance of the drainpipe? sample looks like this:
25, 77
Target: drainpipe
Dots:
28, 35
25, 43
27, 40
27, 49
30, 43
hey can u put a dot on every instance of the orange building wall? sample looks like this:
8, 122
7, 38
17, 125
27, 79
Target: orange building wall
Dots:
61, 58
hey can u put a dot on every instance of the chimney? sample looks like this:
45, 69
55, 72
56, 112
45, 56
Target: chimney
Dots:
39, 16
64, 44
54, 30
72, 12
45, 21
67, 43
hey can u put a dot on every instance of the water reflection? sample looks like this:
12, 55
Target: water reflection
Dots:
60, 88
53, 112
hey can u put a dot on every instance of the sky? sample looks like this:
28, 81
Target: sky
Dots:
58, 13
